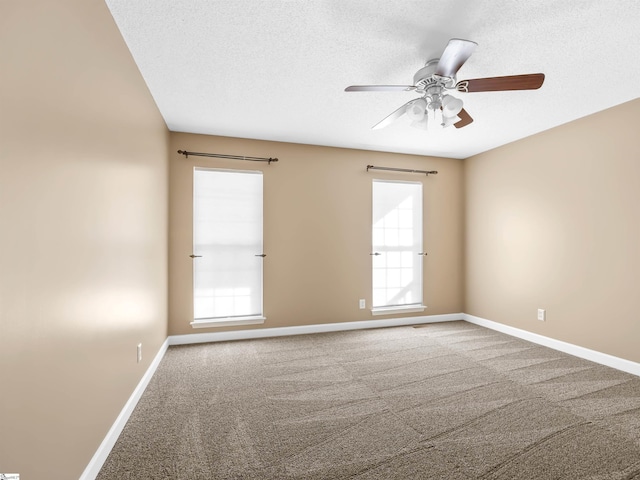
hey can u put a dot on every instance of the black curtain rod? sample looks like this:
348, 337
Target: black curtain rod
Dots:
426, 172
232, 157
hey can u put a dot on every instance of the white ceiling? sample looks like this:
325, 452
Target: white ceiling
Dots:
277, 69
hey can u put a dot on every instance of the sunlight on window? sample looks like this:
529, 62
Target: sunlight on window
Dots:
227, 242
226, 302
397, 237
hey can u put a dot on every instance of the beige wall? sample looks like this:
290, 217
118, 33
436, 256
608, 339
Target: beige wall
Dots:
553, 223
317, 234
83, 233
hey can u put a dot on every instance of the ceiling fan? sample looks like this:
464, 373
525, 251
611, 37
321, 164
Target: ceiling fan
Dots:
436, 78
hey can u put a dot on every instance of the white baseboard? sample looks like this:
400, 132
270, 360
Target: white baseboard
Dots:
306, 329
94, 466
582, 352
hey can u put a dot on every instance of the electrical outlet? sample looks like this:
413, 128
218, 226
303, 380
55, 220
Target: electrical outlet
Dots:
362, 303
139, 352
542, 314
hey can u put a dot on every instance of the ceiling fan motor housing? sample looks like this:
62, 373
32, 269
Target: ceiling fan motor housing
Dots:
426, 77
432, 86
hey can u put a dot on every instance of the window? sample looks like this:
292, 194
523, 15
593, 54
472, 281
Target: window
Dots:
227, 246
397, 246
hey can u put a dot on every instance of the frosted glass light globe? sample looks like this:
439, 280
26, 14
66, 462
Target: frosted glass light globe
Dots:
451, 106
416, 110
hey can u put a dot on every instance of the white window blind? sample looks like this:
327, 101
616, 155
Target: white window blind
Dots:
227, 238
397, 243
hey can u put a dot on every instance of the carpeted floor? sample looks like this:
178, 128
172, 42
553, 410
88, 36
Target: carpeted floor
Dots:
442, 401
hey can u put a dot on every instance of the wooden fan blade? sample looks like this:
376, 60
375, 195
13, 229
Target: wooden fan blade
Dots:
389, 119
380, 88
530, 81
455, 54
465, 119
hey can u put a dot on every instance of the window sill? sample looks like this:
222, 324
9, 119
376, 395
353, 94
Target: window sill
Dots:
228, 322
398, 309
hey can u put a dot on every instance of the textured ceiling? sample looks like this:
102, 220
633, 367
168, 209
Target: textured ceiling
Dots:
276, 70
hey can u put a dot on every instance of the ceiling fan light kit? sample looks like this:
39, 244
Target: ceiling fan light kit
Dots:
436, 78
416, 110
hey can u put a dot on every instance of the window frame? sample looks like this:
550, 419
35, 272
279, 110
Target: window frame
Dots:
223, 321
415, 248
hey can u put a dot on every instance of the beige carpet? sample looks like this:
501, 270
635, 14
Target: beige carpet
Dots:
441, 401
